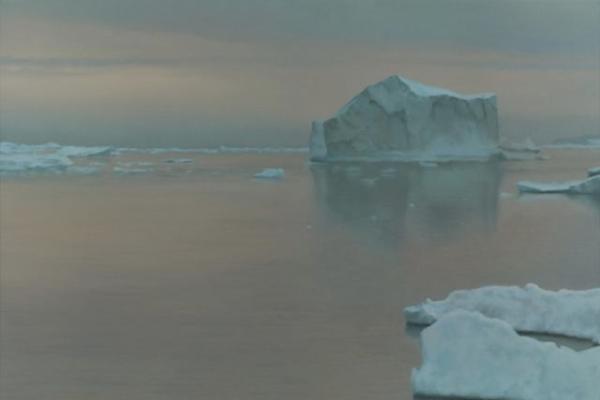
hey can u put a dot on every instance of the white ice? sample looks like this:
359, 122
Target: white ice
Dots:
468, 355
271, 173
403, 120
529, 309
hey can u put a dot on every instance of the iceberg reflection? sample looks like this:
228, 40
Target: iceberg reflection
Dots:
394, 202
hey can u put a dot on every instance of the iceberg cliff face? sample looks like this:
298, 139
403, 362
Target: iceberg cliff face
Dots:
400, 119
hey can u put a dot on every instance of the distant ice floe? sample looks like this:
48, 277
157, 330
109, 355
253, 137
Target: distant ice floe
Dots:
582, 142
178, 161
469, 355
50, 157
587, 186
529, 309
18, 159
133, 168
593, 171
520, 151
213, 150
270, 173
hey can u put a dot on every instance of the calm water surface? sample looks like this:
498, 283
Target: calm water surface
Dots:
200, 282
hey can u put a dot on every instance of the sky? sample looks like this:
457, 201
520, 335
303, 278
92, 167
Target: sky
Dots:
195, 73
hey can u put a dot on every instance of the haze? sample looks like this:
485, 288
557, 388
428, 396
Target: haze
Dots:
238, 72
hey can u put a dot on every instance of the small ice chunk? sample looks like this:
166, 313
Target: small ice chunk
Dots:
468, 355
530, 309
428, 164
270, 173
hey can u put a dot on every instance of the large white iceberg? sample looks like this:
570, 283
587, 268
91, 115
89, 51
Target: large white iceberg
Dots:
468, 355
587, 186
574, 313
400, 119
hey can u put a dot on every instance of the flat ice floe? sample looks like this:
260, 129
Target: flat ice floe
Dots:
573, 313
271, 173
587, 186
468, 355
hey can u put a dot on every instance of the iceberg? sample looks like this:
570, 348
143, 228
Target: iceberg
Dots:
398, 119
271, 173
468, 355
587, 186
530, 309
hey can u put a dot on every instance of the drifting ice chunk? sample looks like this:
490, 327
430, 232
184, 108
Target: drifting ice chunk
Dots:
271, 173
588, 186
400, 119
593, 171
468, 355
529, 309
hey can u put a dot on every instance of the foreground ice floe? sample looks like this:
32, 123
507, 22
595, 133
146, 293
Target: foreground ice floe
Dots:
271, 173
587, 186
529, 309
468, 355
401, 119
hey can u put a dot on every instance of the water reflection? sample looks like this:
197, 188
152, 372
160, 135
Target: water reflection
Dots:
391, 203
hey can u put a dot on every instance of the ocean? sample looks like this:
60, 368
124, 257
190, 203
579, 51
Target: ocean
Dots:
180, 275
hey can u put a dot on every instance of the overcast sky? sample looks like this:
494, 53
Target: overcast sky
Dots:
256, 72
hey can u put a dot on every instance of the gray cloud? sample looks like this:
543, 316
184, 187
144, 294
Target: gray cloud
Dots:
517, 25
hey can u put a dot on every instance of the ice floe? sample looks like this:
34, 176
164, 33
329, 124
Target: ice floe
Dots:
178, 161
270, 173
594, 171
587, 186
469, 355
573, 313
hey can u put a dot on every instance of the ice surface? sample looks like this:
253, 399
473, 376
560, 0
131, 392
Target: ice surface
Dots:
271, 173
400, 119
587, 186
468, 355
529, 309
